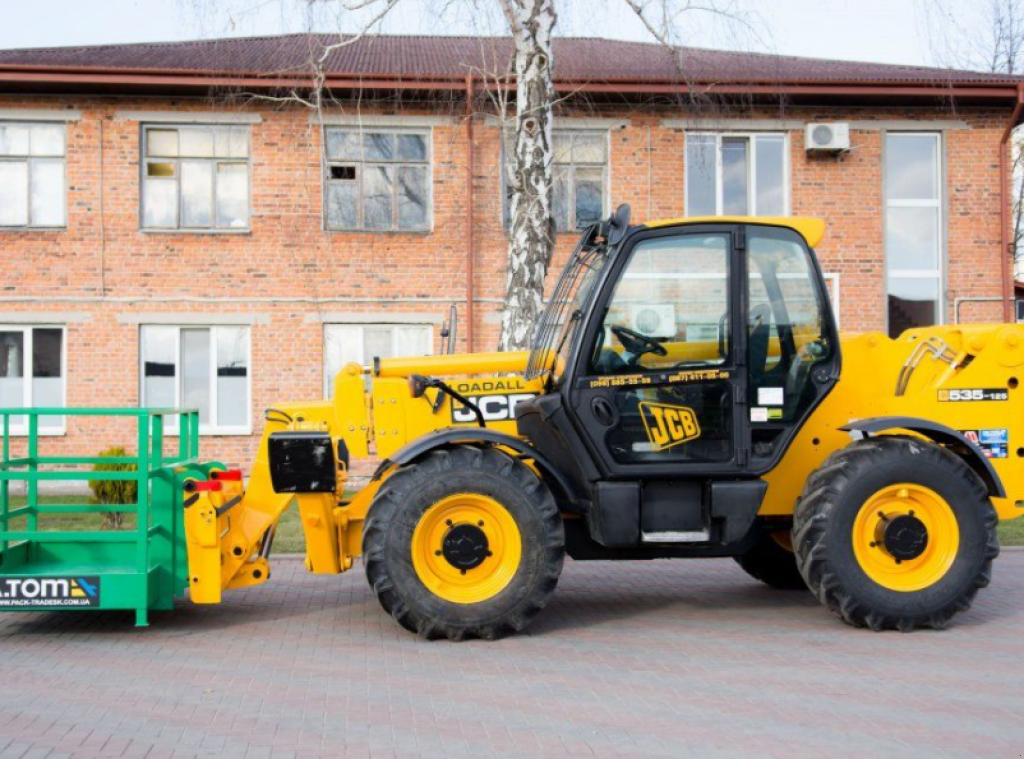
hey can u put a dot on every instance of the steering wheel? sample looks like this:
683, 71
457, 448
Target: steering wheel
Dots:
803, 361
638, 343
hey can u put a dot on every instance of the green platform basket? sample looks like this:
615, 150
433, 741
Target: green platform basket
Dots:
143, 569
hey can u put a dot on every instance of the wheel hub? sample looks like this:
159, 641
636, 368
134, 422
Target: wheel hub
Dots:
905, 537
465, 546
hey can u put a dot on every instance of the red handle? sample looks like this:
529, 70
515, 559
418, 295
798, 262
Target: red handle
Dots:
199, 486
228, 475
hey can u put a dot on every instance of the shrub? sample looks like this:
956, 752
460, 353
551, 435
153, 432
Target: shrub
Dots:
114, 491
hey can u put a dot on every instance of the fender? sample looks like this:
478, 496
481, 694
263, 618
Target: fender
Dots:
939, 433
452, 436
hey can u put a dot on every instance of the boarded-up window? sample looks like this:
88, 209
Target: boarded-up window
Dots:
377, 180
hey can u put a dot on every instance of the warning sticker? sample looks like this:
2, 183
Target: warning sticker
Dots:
758, 414
769, 396
17, 592
993, 443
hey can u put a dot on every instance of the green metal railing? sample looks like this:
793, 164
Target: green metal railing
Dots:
148, 559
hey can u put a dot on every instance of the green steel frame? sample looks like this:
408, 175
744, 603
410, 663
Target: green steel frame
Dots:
142, 569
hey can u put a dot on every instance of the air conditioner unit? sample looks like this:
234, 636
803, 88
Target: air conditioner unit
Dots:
833, 137
653, 319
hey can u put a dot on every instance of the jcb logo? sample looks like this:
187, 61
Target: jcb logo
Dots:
668, 425
495, 408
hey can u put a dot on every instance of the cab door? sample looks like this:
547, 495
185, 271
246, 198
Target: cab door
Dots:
706, 349
658, 388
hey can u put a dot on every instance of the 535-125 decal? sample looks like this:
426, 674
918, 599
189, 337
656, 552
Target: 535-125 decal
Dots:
974, 394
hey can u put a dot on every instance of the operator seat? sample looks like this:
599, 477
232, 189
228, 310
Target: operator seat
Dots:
758, 340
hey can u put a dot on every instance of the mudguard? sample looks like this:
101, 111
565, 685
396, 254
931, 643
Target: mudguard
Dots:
451, 436
940, 433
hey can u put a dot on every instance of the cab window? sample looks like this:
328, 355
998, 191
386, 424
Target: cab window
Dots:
787, 332
669, 308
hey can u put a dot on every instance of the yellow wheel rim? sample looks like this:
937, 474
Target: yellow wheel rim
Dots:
887, 537
489, 564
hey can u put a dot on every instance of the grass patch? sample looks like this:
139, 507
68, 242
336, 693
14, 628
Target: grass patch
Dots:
1011, 532
289, 537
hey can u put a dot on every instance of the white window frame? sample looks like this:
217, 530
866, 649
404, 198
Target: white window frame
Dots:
751, 169
606, 179
938, 274
144, 159
327, 162
29, 160
362, 327
21, 430
210, 428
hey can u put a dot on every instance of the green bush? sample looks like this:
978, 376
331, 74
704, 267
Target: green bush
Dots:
114, 491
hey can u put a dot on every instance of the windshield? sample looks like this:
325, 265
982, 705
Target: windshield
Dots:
554, 336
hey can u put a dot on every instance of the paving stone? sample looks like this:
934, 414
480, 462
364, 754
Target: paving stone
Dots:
634, 659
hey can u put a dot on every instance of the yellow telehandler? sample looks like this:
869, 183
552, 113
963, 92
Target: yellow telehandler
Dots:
687, 395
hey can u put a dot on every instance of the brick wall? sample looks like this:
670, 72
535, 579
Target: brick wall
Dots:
286, 275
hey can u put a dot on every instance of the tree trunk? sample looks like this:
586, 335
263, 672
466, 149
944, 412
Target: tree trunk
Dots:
532, 221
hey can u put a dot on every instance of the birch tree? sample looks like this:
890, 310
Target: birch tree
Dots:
531, 180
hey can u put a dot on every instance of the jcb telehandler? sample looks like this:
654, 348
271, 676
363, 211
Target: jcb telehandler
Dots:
687, 395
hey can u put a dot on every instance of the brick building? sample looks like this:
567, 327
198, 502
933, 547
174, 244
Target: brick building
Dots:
171, 233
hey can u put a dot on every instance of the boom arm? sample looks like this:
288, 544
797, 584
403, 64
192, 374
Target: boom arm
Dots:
229, 549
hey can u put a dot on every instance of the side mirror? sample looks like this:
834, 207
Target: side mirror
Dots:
618, 224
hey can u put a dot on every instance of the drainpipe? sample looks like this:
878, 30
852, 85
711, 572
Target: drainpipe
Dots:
1005, 246
469, 213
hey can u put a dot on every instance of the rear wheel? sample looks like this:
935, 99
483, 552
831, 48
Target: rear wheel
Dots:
895, 533
772, 561
466, 542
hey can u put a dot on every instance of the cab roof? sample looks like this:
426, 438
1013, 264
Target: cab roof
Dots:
809, 227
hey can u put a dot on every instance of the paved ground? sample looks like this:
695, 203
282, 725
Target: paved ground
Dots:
659, 659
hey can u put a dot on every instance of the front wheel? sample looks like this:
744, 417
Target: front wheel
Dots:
895, 533
466, 542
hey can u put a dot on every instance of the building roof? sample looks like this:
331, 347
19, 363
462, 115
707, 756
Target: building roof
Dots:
617, 65
412, 56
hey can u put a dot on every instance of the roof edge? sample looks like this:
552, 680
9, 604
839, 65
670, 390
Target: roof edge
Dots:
205, 77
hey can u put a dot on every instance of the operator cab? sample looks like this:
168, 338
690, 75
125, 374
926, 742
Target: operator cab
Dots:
689, 353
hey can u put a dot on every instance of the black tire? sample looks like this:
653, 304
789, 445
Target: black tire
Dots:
772, 564
402, 501
823, 529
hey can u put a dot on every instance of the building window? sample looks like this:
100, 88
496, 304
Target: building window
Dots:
377, 180
205, 368
580, 181
736, 174
195, 178
32, 373
32, 186
361, 343
913, 230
